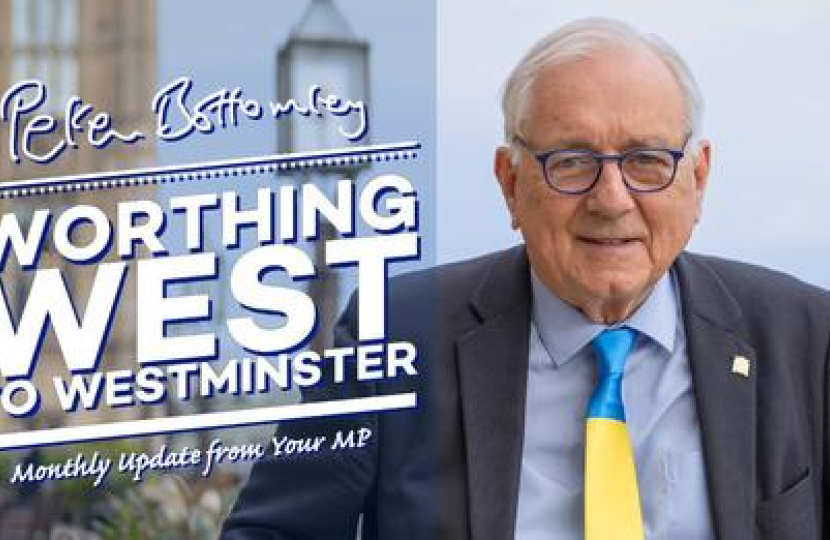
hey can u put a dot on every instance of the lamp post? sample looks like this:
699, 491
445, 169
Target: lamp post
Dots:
321, 50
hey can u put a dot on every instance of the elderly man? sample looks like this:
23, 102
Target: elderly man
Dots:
596, 382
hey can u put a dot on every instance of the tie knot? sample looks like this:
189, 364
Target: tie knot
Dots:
611, 348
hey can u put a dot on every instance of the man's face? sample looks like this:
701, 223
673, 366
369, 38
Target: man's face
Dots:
604, 250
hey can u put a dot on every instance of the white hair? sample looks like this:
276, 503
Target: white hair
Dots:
581, 39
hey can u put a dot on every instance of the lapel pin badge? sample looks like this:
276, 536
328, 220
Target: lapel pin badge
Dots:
740, 365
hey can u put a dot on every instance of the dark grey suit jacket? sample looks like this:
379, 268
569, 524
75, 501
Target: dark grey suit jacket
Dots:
450, 469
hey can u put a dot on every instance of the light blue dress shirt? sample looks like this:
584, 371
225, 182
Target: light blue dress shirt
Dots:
660, 412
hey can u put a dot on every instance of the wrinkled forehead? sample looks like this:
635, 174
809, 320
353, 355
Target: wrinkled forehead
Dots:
608, 93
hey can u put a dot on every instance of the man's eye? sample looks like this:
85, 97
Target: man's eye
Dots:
647, 159
573, 162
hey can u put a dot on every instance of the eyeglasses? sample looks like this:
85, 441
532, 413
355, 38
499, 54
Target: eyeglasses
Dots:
574, 172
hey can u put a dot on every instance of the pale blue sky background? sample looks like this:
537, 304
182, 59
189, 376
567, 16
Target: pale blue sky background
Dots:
762, 67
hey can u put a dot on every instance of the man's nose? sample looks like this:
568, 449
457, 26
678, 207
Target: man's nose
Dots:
610, 195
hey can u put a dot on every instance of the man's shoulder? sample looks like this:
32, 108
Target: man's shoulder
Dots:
461, 278
460, 294
756, 285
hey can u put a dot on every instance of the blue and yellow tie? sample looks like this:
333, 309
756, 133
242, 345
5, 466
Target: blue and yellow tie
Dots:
612, 502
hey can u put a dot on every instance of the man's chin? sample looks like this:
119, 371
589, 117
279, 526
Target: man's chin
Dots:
616, 294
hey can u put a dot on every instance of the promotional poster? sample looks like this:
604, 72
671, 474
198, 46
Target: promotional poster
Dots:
203, 205
191, 192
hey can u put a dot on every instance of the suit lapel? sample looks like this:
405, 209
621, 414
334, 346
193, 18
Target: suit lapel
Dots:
492, 365
725, 398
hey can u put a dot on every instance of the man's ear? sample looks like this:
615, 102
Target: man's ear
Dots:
701, 172
505, 172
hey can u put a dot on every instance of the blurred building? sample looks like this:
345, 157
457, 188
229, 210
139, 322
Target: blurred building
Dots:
103, 51
323, 50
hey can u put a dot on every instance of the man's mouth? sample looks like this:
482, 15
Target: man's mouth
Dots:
608, 241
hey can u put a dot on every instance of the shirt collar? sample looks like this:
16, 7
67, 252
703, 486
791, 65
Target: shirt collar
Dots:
564, 330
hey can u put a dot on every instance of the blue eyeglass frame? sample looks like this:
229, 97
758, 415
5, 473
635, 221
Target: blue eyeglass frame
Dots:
543, 157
